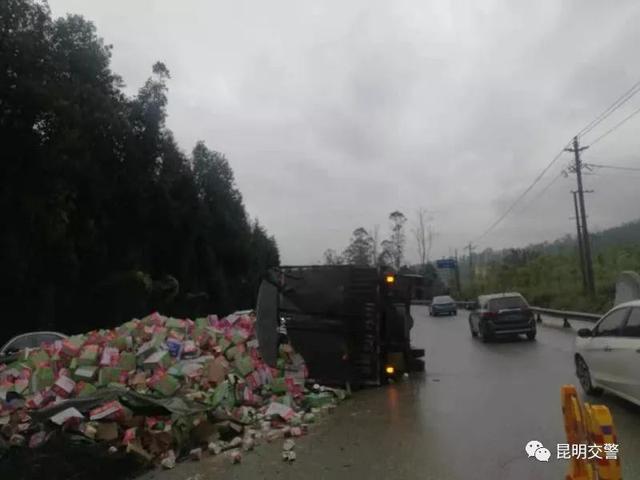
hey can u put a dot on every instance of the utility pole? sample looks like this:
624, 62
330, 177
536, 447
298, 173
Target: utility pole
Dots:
579, 237
457, 272
471, 248
586, 243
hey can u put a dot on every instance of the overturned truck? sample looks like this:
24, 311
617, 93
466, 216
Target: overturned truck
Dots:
351, 324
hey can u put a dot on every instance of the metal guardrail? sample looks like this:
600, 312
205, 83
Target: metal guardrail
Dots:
565, 315
569, 315
417, 301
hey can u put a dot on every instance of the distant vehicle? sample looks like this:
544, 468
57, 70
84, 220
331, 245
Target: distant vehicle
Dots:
27, 340
501, 314
443, 305
607, 356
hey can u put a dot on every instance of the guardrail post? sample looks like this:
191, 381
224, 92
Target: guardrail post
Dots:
565, 323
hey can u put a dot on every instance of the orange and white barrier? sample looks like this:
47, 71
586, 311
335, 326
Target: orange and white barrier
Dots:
591, 433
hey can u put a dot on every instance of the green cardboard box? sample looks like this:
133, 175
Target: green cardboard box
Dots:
167, 385
88, 356
122, 342
87, 390
278, 385
286, 400
127, 361
35, 357
237, 338
231, 353
175, 324
117, 385
224, 343
109, 375
158, 359
317, 400
87, 373
41, 378
221, 394
244, 365
128, 328
202, 322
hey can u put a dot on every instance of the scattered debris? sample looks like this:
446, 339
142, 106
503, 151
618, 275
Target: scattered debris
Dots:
289, 456
235, 456
196, 454
169, 461
214, 448
235, 442
203, 380
248, 444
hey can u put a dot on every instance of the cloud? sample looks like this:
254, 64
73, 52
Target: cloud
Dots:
332, 115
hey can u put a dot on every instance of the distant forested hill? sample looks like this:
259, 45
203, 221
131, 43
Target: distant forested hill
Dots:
549, 274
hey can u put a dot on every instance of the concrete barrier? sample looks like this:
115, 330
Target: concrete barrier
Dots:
627, 287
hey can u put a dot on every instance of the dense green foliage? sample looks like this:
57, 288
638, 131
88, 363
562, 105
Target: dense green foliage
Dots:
554, 280
103, 216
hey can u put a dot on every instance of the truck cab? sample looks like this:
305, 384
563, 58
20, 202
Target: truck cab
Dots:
351, 324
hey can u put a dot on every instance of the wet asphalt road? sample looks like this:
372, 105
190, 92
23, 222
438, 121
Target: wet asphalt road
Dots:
468, 417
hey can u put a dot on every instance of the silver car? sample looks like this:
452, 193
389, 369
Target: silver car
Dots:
443, 305
28, 340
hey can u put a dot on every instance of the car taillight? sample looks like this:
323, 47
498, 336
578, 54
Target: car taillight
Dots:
489, 315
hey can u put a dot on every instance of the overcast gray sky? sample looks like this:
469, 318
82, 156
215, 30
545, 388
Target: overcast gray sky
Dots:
335, 113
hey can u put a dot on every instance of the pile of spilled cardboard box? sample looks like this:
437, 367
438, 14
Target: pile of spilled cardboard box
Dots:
160, 389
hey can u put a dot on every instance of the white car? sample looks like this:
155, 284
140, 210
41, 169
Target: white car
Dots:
607, 356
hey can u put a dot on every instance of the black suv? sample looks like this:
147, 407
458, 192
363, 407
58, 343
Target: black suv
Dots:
502, 314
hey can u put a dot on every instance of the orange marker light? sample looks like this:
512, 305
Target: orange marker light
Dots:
390, 279
390, 370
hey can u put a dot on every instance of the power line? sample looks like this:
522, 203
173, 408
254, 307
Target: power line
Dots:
624, 98
522, 195
614, 174
560, 174
613, 167
616, 126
